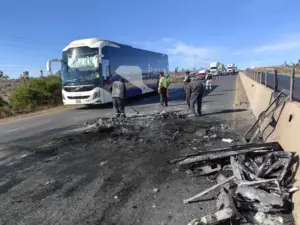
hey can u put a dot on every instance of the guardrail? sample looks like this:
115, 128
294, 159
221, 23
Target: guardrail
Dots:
278, 82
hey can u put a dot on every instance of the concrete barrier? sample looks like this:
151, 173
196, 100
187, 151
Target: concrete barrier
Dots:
284, 127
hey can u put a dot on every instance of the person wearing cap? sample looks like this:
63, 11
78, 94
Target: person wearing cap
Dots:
208, 79
194, 94
162, 89
118, 94
186, 81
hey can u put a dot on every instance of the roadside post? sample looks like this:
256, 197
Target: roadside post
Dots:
266, 79
292, 83
260, 76
275, 81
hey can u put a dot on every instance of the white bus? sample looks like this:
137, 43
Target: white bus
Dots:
89, 67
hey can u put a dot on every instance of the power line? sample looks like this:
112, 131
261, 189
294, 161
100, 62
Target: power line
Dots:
26, 40
21, 43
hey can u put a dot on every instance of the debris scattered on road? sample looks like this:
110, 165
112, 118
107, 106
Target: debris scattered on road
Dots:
260, 184
155, 190
228, 140
103, 163
217, 217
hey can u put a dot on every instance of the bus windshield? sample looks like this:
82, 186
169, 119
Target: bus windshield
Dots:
79, 65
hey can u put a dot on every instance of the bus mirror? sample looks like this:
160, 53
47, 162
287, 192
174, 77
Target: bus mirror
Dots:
48, 66
49, 62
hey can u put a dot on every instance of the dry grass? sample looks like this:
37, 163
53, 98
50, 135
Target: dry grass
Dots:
281, 70
176, 77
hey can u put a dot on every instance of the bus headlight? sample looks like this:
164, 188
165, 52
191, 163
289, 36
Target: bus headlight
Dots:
97, 94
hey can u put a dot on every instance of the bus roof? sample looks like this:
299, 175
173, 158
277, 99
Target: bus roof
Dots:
97, 43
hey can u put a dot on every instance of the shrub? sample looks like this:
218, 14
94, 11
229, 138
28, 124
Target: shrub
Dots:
35, 93
5, 109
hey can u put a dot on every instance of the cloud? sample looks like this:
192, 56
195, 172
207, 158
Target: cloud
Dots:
168, 40
237, 53
183, 49
180, 54
185, 55
285, 43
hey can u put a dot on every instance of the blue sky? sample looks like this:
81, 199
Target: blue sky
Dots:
248, 33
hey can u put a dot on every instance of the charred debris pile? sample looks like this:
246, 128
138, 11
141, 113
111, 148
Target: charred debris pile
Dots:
256, 182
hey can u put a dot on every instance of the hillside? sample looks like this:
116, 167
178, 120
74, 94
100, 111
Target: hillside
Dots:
7, 86
281, 69
19, 96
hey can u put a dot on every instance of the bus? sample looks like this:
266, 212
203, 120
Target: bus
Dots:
89, 66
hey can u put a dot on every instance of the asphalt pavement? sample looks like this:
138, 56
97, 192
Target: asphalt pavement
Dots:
108, 175
220, 98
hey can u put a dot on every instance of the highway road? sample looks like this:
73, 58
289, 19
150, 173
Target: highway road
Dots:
108, 177
46, 125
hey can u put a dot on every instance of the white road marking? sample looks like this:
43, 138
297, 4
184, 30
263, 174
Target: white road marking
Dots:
29, 126
83, 112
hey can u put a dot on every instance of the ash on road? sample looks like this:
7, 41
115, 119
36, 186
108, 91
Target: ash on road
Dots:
118, 174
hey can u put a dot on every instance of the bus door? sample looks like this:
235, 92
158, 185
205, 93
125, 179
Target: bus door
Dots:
105, 74
105, 69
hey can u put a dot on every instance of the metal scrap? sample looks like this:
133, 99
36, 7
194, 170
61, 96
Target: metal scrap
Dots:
215, 218
256, 194
207, 190
223, 152
205, 170
261, 180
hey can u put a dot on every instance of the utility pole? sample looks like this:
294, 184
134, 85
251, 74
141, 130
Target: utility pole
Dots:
195, 63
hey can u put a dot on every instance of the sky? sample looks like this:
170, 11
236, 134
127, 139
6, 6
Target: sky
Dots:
246, 32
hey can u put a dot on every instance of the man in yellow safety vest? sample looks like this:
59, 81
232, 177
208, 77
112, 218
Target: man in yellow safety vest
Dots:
162, 89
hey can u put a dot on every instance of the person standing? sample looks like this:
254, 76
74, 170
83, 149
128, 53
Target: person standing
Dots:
162, 89
118, 93
208, 79
186, 81
194, 93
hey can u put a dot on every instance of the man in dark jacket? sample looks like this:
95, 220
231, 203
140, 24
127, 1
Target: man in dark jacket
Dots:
186, 81
194, 94
118, 93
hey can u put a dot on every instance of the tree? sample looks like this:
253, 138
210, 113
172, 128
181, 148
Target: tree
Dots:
41, 73
24, 76
58, 73
5, 77
1, 74
223, 67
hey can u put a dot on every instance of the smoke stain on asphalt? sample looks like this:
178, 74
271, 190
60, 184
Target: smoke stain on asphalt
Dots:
64, 180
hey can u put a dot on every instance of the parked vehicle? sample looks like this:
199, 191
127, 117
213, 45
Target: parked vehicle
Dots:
89, 67
231, 68
215, 68
202, 74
